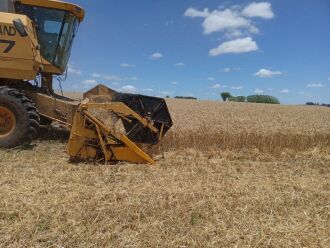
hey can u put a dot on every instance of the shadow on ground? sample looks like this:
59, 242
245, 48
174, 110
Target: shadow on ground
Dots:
53, 133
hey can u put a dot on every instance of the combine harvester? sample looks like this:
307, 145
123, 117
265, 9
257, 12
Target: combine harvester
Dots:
36, 37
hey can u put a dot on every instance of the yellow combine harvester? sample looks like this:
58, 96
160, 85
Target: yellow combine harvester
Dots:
36, 37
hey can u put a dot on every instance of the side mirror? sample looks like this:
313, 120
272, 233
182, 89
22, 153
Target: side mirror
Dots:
20, 27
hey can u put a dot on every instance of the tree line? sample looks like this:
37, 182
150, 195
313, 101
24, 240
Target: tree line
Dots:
226, 96
317, 104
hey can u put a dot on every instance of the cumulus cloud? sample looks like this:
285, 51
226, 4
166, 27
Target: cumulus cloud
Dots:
133, 78
235, 46
284, 91
228, 20
192, 12
148, 90
156, 56
129, 89
126, 65
265, 73
261, 9
165, 92
234, 22
218, 86
315, 85
180, 64
258, 91
96, 75
89, 82
112, 78
175, 83
74, 71
237, 87
211, 78
226, 70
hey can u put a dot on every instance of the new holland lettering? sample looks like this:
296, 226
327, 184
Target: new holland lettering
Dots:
7, 30
9, 45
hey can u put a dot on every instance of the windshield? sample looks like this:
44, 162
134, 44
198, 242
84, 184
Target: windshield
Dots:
55, 30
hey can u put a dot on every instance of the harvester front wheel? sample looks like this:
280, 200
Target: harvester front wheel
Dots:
19, 118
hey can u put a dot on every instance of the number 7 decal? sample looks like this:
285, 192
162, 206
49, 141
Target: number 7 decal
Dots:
10, 44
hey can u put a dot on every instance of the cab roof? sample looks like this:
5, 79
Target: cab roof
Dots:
55, 4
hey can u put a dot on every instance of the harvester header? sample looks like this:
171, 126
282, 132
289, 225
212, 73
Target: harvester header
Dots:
145, 120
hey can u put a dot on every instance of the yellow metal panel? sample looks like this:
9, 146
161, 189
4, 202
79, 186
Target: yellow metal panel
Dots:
19, 58
145, 157
54, 108
90, 137
73, 8
126, 154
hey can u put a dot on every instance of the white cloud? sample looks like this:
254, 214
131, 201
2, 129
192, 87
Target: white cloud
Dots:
148, 90
165, 92
90, 82
234, 22
96, 75
156, 56
218, 86
134, 78
261, 9
315, 85
329, 78
228, 69
237, 87
175, 83
192, 12
112, 78
226, 20
74, 71
235, 46
211, 78
258, 91
284, 91
265, 73
129, 89
126, 65
179, 64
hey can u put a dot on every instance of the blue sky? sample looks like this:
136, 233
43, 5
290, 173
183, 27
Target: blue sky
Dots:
201, 48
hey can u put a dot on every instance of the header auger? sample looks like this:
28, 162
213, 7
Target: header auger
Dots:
36, 37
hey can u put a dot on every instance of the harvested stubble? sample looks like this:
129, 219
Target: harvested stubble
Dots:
200, 197
192, 199
208, 125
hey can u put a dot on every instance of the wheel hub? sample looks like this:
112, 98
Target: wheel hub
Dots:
7, 122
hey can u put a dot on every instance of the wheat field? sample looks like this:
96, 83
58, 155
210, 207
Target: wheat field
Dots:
227, 175
216, 125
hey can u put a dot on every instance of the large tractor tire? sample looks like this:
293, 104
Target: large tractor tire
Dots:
19, 118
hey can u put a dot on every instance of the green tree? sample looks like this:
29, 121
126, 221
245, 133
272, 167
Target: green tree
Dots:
241, 98
225, 96
263, 99
237, 99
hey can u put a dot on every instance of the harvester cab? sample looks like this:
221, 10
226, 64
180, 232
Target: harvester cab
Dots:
36, 38
47, 28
